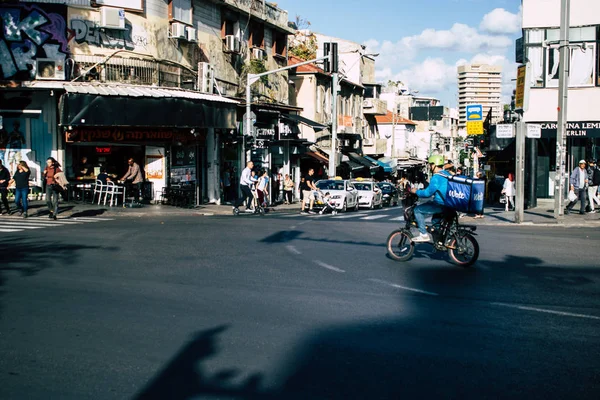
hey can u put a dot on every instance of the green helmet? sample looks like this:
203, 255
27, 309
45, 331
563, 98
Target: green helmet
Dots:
436, 159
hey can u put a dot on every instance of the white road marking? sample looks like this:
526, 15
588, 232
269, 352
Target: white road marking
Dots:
15, 225
543, 310
28, 222
329, 267
91, 219
293, 249
397, 219
350, 216
59, 221
372, 217
10, 230
404, 287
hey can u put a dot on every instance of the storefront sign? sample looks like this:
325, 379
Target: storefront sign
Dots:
505, 131
126, 135
585, 129
103, 150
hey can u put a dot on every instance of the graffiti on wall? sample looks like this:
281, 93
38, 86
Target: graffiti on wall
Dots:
29, 33
88, 32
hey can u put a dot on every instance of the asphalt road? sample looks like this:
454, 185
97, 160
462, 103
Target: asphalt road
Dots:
286, 307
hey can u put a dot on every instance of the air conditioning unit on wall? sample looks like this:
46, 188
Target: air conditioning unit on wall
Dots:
113, 18
232, 44
206, 77
258, 54
190, 34
178, 30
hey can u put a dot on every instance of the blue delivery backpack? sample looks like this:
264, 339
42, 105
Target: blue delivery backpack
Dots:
465, 194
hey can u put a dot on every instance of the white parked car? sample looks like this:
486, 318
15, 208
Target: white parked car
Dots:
343, 193
369, 194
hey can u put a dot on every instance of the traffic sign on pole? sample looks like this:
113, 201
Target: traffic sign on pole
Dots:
475, 128
505, 131
534, 131
474, 112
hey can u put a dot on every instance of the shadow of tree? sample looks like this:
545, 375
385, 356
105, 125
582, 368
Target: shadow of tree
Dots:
28, 257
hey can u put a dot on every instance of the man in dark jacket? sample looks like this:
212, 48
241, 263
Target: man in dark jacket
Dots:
578, 184
593, 181
4, 179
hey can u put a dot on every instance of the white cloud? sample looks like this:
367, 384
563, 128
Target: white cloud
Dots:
433, 75
500, 21
460, 37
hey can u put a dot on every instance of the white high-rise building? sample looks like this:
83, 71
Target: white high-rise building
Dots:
479, 84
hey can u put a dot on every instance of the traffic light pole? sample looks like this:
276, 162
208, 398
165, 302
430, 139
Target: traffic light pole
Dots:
255, 77
520, 129
334, 125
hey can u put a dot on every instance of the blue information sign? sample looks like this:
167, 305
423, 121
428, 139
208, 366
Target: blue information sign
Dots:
474, 112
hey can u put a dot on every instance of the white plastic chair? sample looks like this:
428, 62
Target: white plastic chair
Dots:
113, 190
99, 189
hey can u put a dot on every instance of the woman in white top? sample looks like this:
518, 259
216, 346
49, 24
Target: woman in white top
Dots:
509, 189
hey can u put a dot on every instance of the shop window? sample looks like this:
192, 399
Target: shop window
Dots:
181, 10
257, 35
279, 44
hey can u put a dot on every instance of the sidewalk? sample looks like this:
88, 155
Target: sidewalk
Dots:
542, 215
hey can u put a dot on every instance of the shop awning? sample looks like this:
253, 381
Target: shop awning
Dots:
354, 166
373, 166
298, 118
318, 156
387, 164
87, 104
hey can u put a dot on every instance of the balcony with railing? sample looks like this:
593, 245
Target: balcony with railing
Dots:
263, 10
374, 107
134, 71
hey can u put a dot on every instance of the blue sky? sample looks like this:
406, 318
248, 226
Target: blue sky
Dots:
421, 42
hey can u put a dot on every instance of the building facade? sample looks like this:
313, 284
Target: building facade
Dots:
479, 84
159, 81
541, 22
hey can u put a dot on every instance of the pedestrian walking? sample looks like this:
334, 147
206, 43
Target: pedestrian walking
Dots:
4, 180
593, 181
21, 181
288, 189
578, 185
53, 189
509, 189
307, 190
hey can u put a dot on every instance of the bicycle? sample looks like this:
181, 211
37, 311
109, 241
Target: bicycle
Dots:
446, 232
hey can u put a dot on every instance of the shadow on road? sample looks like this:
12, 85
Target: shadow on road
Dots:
28, 257
402, 358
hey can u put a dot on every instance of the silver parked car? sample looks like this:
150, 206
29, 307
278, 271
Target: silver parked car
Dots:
343, 193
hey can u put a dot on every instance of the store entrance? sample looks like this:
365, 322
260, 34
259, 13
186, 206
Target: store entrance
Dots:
84, 161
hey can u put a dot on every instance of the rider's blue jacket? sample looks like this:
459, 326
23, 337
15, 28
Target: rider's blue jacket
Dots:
438, 184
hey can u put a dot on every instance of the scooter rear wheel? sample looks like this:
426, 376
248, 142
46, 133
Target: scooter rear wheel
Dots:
400, 246
464, 250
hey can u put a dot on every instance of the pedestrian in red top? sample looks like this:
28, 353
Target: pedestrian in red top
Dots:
52, 192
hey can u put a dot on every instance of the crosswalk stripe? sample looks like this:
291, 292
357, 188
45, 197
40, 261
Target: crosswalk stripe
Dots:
91, 219
397, 219
10, 230
19, 225
372, 217
349, 216
55, 222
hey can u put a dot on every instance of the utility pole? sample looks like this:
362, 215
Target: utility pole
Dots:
520, 129
563, 92
331, 65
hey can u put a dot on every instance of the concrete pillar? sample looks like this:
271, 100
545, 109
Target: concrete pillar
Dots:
213, 182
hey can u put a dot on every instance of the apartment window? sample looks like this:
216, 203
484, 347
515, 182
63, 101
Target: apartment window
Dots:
257, 35
230, 27
279, 44
181, 10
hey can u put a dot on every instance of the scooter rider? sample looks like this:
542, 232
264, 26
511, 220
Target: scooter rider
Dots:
437, 187
245, 186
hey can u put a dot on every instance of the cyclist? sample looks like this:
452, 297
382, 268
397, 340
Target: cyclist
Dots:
437, 188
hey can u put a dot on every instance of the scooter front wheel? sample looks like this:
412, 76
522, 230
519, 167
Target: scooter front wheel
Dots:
400, 246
